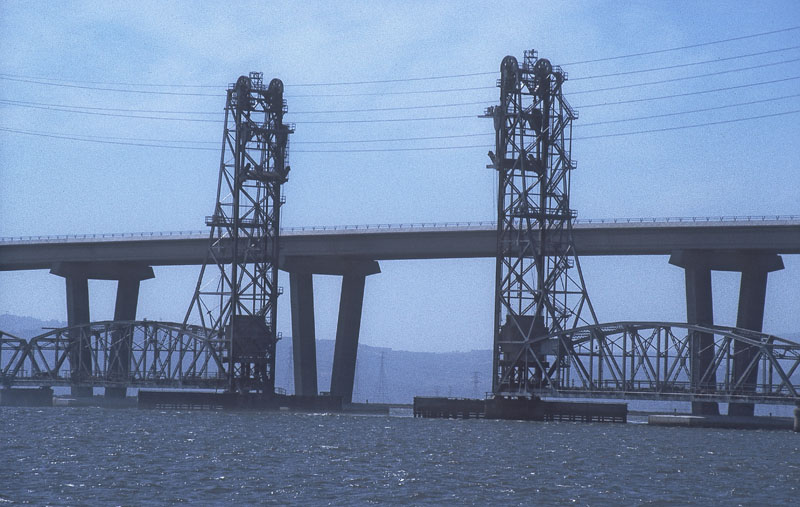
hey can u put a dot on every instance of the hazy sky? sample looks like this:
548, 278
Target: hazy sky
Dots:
83, 69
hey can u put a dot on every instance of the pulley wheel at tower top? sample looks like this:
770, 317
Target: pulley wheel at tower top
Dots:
542, 68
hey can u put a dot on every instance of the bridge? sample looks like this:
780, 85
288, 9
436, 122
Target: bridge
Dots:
621, 363
621, 236
543, 345
628, 360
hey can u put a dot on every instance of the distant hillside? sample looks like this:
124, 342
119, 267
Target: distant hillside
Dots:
403, 376
26, 327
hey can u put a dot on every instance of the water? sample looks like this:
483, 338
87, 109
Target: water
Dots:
123, 457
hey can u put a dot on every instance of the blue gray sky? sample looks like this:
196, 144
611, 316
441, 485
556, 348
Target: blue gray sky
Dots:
87, 70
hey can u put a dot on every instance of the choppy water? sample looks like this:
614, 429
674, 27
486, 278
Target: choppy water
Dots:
103, 456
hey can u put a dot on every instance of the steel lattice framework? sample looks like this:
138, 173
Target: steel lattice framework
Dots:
237, 290
629, 360
536, 291
158, 354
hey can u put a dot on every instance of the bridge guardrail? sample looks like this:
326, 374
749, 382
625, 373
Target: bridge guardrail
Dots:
398, 226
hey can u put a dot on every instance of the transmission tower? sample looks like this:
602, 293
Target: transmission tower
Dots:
382, 380
536, 290
237, 290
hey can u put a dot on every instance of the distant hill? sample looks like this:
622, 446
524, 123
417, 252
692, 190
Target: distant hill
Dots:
26, 327
403, 376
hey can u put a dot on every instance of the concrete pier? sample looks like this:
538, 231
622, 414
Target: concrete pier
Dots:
304, 346
122, 341
754, 267
699, 310
752, 297
77, 275
80, 357
347, 331
353, 273
797, 419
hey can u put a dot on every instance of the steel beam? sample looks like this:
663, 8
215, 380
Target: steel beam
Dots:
304, 347
347, 331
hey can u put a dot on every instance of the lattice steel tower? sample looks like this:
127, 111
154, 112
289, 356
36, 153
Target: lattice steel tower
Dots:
237, 291
536, 290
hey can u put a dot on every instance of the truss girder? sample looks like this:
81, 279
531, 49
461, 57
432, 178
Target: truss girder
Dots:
652, 360
163, 354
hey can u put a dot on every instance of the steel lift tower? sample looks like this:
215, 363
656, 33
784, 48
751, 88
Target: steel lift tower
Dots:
539, 286
237, 290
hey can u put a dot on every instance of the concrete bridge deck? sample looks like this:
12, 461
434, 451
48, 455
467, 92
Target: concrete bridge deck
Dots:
777, 234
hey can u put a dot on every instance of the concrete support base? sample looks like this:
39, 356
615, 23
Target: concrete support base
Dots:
304, 347
347, 331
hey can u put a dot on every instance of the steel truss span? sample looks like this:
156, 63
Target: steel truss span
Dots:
123, 354
537, 291
653, 361
237, 290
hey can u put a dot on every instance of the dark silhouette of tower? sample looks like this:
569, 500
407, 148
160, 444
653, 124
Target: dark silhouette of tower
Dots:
537, 291
237, 290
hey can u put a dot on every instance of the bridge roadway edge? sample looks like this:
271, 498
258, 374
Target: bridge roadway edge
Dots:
607, 239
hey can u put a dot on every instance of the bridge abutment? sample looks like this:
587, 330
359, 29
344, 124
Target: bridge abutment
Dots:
77, 275
754, 268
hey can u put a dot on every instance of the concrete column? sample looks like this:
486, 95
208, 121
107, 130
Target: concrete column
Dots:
797, 419
304, 347
347, 330
700, 310
80, 356
122, 340
752, 295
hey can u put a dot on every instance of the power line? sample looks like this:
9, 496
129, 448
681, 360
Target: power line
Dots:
415, 92
682, 65
373, 150
687, 94
690, 46
454, 136
411, 79
677, 113
666, 129
207, 113
672, 80
73, 109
